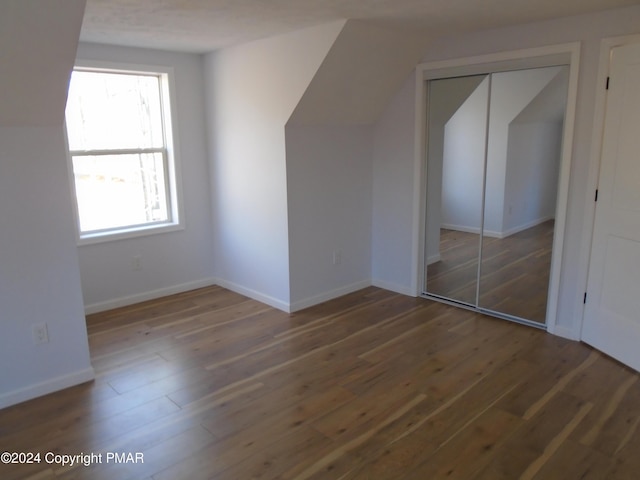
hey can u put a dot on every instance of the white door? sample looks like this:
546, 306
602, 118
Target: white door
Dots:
612, 314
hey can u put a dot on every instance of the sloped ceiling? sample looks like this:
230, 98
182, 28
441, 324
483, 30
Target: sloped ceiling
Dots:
365, 65
39, 41
204, 25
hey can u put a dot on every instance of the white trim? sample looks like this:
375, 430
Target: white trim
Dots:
129, 232
254, 294
143, 297
499, 62
434, 258
563, 193
394, 287
323, 297
419, 223
564, 332
46, 387
562, 54
594, 171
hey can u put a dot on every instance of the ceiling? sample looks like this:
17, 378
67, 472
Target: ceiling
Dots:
204, 25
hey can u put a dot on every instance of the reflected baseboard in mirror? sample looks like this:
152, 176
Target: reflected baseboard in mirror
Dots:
514, 276
455, 274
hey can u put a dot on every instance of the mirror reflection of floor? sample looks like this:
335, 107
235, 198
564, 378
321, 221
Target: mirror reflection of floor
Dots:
515, 271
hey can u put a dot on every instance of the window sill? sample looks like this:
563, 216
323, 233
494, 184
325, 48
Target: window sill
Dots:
128, 233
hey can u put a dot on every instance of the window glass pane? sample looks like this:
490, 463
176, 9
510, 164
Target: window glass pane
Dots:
114, 111
116, 191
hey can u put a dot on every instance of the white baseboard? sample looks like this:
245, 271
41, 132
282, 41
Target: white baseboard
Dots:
143, 297
323, 297
564, 332
266, 299
433, 259
46, 387
394, 287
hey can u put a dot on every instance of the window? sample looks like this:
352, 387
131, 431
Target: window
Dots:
119, 134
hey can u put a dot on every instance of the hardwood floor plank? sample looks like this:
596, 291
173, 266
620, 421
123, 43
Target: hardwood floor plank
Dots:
259, 416
611, 406
559, 386
573, 460
555, 443
475, 443
616, 422
242, 437
528, 445
156, 456
544, 379
278, 457
325, 463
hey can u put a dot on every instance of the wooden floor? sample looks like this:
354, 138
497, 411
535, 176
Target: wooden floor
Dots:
515, 270
374, 385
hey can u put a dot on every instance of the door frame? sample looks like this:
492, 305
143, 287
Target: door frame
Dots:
562, 54
595, 160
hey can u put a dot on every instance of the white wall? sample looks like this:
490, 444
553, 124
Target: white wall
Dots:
252, 89
329, 174
329, 168
392, 194
589, 29
39, 274
174, 261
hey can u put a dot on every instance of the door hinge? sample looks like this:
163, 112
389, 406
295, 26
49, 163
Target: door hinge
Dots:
585, 298
607, 87
596, 194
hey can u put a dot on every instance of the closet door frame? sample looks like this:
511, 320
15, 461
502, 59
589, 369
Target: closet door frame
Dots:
565, 54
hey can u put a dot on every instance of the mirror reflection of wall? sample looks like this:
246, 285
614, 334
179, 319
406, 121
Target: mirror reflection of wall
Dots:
493, 156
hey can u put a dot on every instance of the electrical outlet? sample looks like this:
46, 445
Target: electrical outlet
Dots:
136, 262
40, 333
337, 257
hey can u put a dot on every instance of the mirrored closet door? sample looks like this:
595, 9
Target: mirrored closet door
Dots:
493, 151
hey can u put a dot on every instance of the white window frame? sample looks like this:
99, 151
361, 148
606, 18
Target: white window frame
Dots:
171, 164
